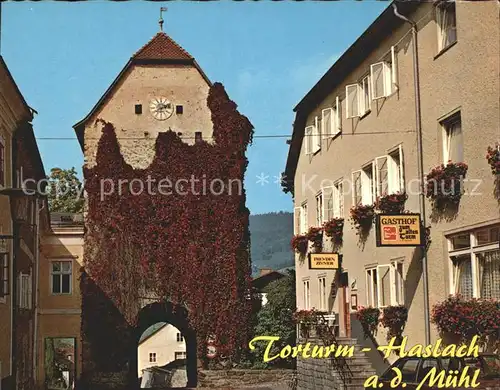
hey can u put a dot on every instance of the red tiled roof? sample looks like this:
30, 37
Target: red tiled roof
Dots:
162, 47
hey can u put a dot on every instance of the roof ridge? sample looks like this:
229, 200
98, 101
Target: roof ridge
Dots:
157, 48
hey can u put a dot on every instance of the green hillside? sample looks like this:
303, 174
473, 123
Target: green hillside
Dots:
270, 236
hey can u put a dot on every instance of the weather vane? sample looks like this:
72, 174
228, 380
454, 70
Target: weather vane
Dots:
161, 17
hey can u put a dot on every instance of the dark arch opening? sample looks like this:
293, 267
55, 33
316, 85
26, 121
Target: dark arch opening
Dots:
177, 316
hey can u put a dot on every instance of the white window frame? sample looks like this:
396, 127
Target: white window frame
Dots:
307, 293
24, 291
371, 289
448, 126
352, 108
473, 251
368, 188
303, 218
365, 94
378, 177
316, 147
328, 203
323, 297
334, 119
396, 170
388, 74
397, 282
320, 217
308, 138
60, 273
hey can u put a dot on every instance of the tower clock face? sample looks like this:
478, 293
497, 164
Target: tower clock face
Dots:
161, 108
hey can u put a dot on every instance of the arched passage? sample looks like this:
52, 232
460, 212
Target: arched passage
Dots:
176, 316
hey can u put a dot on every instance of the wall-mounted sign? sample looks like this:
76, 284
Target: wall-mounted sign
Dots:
324, 260
399, 230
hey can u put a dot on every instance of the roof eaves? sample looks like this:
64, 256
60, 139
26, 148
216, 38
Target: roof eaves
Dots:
29, 110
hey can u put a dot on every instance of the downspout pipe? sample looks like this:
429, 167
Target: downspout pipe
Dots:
418, 126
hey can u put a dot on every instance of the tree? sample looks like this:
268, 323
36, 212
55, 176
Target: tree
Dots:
65, 191
276, 319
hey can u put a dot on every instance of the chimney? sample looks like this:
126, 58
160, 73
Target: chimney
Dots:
265, 271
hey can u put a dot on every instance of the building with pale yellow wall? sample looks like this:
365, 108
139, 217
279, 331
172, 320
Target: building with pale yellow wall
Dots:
162, 346
59, 296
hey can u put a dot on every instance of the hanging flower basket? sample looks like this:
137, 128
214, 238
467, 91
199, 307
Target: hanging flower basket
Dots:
362, 216
391, 204
394, 319
369, 318
299, 244
315, 236
307, 319
444, 183
493, 158
334, 228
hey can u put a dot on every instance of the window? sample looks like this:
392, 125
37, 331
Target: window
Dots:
365, 103
446, 19
316, 137
381, 80
2, 162
372, 287
303, 219
180, 337
453, 147
308, 138
409, 369
179, 109
4, 272
338, 199
319, 209
24, 291
330, 121
307, 295
385, 284
357, 195
152, 357
475, 263
322, 294
389, 173
138, 109
367, 184
198, 137
61, 274
180, 355
328, 203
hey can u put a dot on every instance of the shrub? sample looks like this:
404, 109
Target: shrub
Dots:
444, 184
391, 204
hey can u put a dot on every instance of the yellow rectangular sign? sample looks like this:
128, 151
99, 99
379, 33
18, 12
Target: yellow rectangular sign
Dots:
324, 260
399, 230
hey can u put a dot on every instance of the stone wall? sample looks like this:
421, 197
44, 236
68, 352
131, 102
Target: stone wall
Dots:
235, 378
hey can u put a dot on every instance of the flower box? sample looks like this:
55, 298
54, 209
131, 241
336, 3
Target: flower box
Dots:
362, 216
299, 244
369, 319
391, 204
444, 183
493, 158
315, 236
334, 229
394, 319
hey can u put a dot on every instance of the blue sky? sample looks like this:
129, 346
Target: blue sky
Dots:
268, 55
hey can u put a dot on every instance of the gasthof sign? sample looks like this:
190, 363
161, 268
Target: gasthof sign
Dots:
399, 230
324, 260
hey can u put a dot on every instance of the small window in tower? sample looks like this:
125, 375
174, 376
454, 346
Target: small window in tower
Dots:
198, 137
179, 109
138, 109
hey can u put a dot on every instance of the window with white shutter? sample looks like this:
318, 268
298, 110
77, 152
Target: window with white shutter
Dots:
394, 69
319, 209
307, 295
24, 290
327, 122
384, 285
364, 96
453, 143
372, 287
338, 199
308, 139
352, 101
397, 283
381, 80
328, 203
357, 195
317, 135
303, 219
382, 176
395, 164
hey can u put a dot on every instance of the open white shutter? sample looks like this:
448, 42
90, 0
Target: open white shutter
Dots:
308, 135
336, 202
327, 123
394, 69
377, 80
317, 136
296, 215
382, 175
338, 124
352, 102
30, 292
383, 285
356, 188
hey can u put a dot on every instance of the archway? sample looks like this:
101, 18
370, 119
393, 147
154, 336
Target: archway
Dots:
177, 316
